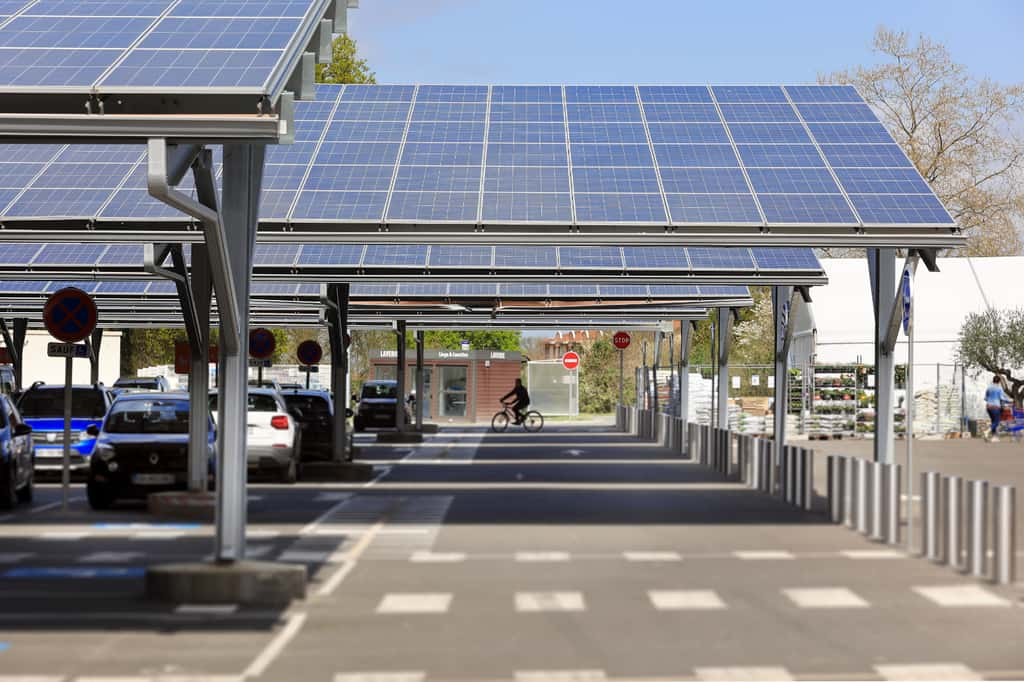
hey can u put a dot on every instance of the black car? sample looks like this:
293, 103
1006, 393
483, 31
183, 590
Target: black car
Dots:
377, 406
148, 384
313, 412
17, 456
142, 448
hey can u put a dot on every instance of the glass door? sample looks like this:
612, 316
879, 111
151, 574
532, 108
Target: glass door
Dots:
453, 391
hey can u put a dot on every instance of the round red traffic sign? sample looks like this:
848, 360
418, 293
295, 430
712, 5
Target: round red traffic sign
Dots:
261, 343
571, 360
309, 353
70, 315
621, 340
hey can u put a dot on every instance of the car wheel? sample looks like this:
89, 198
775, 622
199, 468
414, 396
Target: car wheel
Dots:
100, 496
28, 492
290, 473
8, 486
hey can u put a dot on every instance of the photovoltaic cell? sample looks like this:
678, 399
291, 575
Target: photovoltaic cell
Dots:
748, 93
525, 257
472, 290
525, 179
899, 208
822, 93
624, 291
660, 258
328, 206
275, 254
683, 133
703, 258
703, 180
882, 180
522, 290
123, 254
331, 254
674, 93
615, 208
626, 180
430, 206
590, 257
792, 181
785, 259
788, 133
17, 254
587, 291
806, 208
713, 208
69, 254
461, 256
375, 290
527, 207
526, 93
409, 255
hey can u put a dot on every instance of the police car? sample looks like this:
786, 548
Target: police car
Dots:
42, 407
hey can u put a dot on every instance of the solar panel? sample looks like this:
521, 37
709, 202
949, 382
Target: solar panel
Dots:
718, 259
672, 291
396, 254
122, 254
466, 156
523, 290
423, 290
120, 46
596, 257
606, 291
785, 259
275, 254
373, 290
17, 254
472, 290
26, 287
525, 257
330, 254
69, 254
461, 256
126, 288
650, 258
573, 290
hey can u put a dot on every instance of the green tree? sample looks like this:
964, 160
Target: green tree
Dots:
994, 341
599, 377
963, 133
478, 340
148, 347
346, 66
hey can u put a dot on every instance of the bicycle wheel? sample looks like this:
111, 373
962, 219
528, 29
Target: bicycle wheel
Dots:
499, 422
533, 421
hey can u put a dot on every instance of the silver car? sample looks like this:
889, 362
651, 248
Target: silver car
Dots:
272, 434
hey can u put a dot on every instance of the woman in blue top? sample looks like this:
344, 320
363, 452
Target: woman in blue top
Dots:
995, 396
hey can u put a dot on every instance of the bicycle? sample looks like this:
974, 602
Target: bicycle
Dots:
533, 421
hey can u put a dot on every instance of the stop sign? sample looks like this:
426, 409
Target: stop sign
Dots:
571, 360
621, 340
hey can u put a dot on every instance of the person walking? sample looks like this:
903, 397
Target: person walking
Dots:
995, 396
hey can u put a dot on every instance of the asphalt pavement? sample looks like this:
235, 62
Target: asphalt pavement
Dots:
573, 554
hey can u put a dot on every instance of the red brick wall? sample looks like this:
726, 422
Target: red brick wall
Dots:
492, 383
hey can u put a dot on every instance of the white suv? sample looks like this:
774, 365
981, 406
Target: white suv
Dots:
272, 437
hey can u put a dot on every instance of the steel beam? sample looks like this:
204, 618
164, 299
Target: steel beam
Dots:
724, 345
421, 396
400, 376
882, 270
782, 308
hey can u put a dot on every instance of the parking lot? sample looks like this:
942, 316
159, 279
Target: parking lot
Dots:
576, 553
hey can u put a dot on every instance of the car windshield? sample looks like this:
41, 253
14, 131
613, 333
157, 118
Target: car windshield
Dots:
49, 403
379, 391
258, 402
148, 416
137, 383
313, 407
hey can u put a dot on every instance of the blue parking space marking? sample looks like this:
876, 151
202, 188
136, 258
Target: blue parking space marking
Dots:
146, 526
4, 646
75, 572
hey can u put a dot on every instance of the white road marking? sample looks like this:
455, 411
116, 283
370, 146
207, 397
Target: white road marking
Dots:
415, 602
312, 525
536, 602
407, 676
276, 645
652, 556
873, 554
63, 535
764, 555
332, 497
255, 498
927, 671
427, 557
350, 562
825, 598
959, 596
262, 534
743, 674
541, 556
560, 675
52, 505
32, 678
110, 557
14, 557
685, 600
207, 609
158, 535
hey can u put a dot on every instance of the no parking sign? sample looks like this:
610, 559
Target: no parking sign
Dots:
261, 343
70, 315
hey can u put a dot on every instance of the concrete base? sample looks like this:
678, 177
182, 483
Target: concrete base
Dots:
183, 506
242, 582
331, 472
429, 428
399, 437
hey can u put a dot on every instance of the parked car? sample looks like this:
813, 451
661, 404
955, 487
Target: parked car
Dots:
376, 407
274, 440
17, 456
313, 411
148, 384
7, 382
142, 448
42, 406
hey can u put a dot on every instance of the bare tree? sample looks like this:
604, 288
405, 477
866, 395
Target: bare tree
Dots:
963, 133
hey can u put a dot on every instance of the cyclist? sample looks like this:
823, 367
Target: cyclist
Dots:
522, 400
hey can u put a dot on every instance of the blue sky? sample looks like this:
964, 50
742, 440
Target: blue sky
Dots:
667, 41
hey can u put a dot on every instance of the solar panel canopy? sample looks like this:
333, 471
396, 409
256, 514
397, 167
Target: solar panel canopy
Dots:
130, 57
805, 165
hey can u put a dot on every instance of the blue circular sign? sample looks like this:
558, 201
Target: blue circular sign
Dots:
70, 315
261, 343
309, 353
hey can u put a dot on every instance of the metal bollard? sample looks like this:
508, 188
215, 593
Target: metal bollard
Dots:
860, 482
755, 464
951, 521
891, 476
848, 468
796, 476
807, 495
1004, 562
772, 477
875, 497
834, 487
977, 528
783, 472
930, 515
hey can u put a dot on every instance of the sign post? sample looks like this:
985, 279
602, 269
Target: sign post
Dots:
69, 316
621, 341
309, 354
906, 294
261, 346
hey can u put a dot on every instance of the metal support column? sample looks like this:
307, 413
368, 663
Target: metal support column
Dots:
15, 347
685, 334
782, 298
882, 272
336, 298
232, 270
199, 374
724, 337
95, 341
421, 395
400, 376
654, 372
